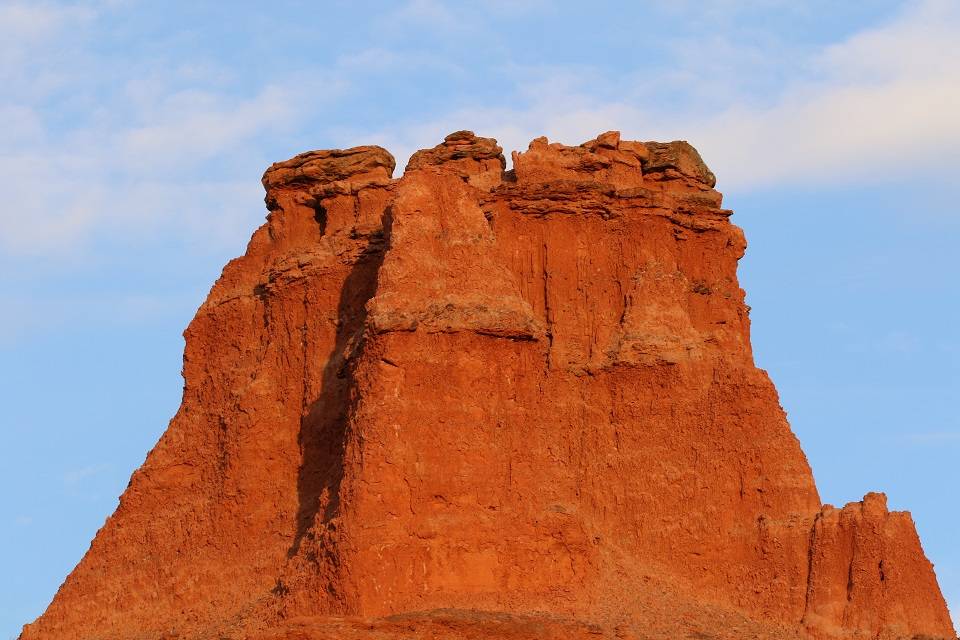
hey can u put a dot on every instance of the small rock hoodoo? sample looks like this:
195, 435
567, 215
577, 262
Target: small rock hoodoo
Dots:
470, 403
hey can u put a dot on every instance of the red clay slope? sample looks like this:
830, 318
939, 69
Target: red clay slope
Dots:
475, 403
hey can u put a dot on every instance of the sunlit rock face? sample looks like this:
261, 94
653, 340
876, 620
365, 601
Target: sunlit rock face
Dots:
471, 403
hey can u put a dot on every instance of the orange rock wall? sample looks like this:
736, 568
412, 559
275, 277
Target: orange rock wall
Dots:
868, 573
517, 392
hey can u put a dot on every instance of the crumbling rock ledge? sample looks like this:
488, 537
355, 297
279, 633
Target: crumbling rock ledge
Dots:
471, 403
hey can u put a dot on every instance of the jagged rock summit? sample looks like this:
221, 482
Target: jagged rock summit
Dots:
478, 403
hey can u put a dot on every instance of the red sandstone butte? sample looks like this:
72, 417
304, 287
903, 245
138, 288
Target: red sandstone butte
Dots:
477, 403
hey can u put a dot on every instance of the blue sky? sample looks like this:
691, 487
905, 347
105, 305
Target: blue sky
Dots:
134, 136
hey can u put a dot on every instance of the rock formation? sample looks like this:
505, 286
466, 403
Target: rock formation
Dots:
475, 403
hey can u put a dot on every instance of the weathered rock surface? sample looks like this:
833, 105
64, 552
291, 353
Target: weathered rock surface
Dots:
470, 403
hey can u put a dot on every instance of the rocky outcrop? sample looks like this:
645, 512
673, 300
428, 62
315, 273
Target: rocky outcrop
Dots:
869, 576
477, 161
472, 402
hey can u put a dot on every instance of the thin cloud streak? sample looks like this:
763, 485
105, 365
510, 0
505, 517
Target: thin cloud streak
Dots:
936, 438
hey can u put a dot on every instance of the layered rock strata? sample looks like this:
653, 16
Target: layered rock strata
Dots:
522, 400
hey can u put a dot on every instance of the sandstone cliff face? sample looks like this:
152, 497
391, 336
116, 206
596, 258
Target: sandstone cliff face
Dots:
524, 401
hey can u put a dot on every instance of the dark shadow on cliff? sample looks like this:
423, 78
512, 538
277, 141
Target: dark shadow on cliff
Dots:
323, 428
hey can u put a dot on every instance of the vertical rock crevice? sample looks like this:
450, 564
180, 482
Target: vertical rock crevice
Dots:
322, 429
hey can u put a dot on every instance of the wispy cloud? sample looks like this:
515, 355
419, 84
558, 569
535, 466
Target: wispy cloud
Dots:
192, 126
65, 181
25, 24
80, 483
75, 477
456, 18
879, 104
132, 157
38, 46
949, 436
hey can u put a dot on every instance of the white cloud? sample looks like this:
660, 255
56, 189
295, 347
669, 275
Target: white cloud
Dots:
134, 178
21, 124
22, 24
880, 103
877, 105
922, 43
136, 160
430, 12
37, 40
190, 126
